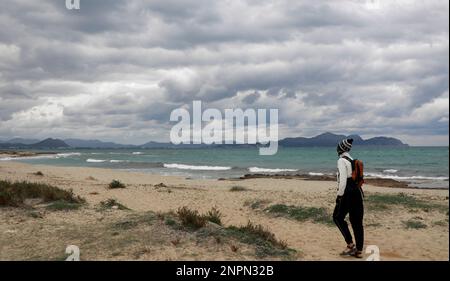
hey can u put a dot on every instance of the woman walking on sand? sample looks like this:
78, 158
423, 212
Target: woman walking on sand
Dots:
349, 201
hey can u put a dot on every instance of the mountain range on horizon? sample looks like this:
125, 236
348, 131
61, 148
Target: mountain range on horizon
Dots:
322, 140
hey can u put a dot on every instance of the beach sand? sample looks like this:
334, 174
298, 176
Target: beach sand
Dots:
24, 236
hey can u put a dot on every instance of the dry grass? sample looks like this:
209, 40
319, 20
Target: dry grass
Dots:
131, 236
14, 194
191, 218
265, 242
214, 216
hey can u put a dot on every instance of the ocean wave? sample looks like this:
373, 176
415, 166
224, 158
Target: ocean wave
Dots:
193, 167
52, 156
395, 177
141, 165
390, 171
64, 155
137, 153
90, 160
266, 170
117, 161
7, 158
316, 174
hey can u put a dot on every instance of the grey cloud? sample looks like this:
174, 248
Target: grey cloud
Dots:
124, 65
251, 98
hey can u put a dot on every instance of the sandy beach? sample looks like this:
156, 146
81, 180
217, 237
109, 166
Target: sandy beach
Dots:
116, 234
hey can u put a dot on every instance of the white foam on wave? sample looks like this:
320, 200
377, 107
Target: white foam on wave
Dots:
49, 156
394, 177
390, 171
69, 154
266, 170
52, 156
137, 153
7, 158
194, 167
90, 160
315, 174
117, 161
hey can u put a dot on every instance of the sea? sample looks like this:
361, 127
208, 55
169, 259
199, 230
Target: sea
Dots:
422, 167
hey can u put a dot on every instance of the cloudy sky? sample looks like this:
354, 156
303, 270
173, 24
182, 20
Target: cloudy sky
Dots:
114, 70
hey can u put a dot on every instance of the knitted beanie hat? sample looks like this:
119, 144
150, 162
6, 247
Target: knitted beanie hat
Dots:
344, 146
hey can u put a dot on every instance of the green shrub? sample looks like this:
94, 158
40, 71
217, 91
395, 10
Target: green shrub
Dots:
116, 184
414, 224
382, 202
191, 218
265, 241
112, 204
170, 222
238, 188
260, 232
214, 216
300, 213
63, 206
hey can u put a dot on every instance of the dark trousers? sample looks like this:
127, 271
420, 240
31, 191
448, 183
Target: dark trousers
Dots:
350, 203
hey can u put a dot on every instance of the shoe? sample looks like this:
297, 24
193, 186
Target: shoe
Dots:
349, 251
357, 254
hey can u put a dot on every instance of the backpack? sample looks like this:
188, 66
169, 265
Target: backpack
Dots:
357, 171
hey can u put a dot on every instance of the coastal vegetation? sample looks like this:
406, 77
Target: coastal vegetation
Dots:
14, 194
114, 184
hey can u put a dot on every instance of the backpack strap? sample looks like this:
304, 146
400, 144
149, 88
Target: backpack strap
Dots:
351, 161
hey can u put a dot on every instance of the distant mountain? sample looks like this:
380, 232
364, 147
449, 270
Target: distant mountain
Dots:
330, 139
45, 144
153, 144
22, 141
326, 139
5, 145
384, 141
356, 139
49, 143
79, 143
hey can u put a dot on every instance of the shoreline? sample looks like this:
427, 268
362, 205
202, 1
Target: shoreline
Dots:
25, 237
11, 155
382, 182
373, 182
24, 154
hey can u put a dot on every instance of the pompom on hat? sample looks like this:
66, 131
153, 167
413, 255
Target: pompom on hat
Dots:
344, 146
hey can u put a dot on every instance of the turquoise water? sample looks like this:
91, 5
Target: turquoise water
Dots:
421, 166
